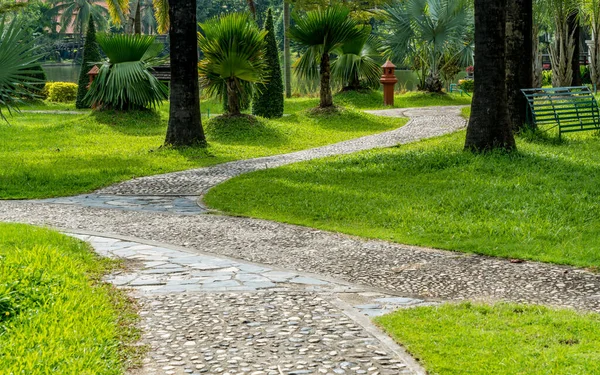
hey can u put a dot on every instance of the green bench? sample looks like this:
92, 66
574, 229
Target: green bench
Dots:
572, 109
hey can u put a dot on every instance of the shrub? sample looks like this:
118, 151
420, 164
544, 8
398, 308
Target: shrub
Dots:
269, 101
547, 78
61, 91
466, 84
91, 55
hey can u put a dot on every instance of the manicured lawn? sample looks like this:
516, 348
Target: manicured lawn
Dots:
55, 316
504, 339
46, 155
540, 203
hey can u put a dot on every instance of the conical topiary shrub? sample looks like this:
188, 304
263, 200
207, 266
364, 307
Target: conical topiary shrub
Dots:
269, 100
91, 55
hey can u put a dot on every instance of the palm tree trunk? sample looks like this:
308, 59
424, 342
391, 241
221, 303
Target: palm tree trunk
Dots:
326, 97
287, 54
489, 126
519, 59
185, 126
233, 99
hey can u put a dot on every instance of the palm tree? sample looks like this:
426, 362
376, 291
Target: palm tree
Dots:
424, 31
76, 14
322, 32
234, 50
489, 126
358, 63
19, 64
592, 11
125, 81
562, 50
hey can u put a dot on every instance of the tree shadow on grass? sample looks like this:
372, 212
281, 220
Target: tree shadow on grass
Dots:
244, 130
345, 120
134, 122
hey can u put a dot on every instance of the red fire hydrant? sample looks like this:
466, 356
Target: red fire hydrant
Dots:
389, 80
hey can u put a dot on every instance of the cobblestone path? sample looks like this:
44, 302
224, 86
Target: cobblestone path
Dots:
200, 300
210, 315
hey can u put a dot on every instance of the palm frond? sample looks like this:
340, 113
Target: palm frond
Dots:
125, 81
161, 13
19, 61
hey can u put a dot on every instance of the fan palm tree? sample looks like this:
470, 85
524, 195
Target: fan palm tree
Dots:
76, 14
19, 64
426, 30
234, 50
562, 50
124, 80
322, 32
358, 63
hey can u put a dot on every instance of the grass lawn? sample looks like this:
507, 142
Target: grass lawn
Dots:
503, 339
540, 203
55, 316
46, 155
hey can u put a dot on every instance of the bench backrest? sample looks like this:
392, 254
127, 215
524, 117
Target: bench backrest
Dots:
571, 108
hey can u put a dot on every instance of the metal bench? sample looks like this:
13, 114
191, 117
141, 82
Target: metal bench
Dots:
572, 109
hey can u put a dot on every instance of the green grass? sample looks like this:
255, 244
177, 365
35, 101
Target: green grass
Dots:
55, 316
46, 155
540, 203
504, 339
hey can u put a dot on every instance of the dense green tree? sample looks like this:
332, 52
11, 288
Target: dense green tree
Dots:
322, 32
91, 56
269, 100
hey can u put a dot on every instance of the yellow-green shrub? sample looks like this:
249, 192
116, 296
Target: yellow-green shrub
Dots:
61, 91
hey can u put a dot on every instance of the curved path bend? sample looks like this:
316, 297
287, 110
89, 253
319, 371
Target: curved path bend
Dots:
189, 266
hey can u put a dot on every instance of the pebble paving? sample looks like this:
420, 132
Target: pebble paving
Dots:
210, 315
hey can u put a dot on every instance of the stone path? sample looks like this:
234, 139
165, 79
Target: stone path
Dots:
210, 315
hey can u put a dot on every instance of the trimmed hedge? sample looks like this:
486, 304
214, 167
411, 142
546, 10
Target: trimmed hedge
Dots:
61, 91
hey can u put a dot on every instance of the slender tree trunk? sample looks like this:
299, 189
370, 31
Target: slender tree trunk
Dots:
519, 59
233, 100
287, 54
185, 126
489, 126
537, 58
326, 97
575, 30
137, 22
595, 50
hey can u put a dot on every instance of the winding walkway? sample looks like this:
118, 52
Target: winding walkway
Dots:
232, 295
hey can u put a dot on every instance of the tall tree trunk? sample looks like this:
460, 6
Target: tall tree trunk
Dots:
185, 126
137, 22
326, 97
519, 59
489, 126
287, 54
575, 30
